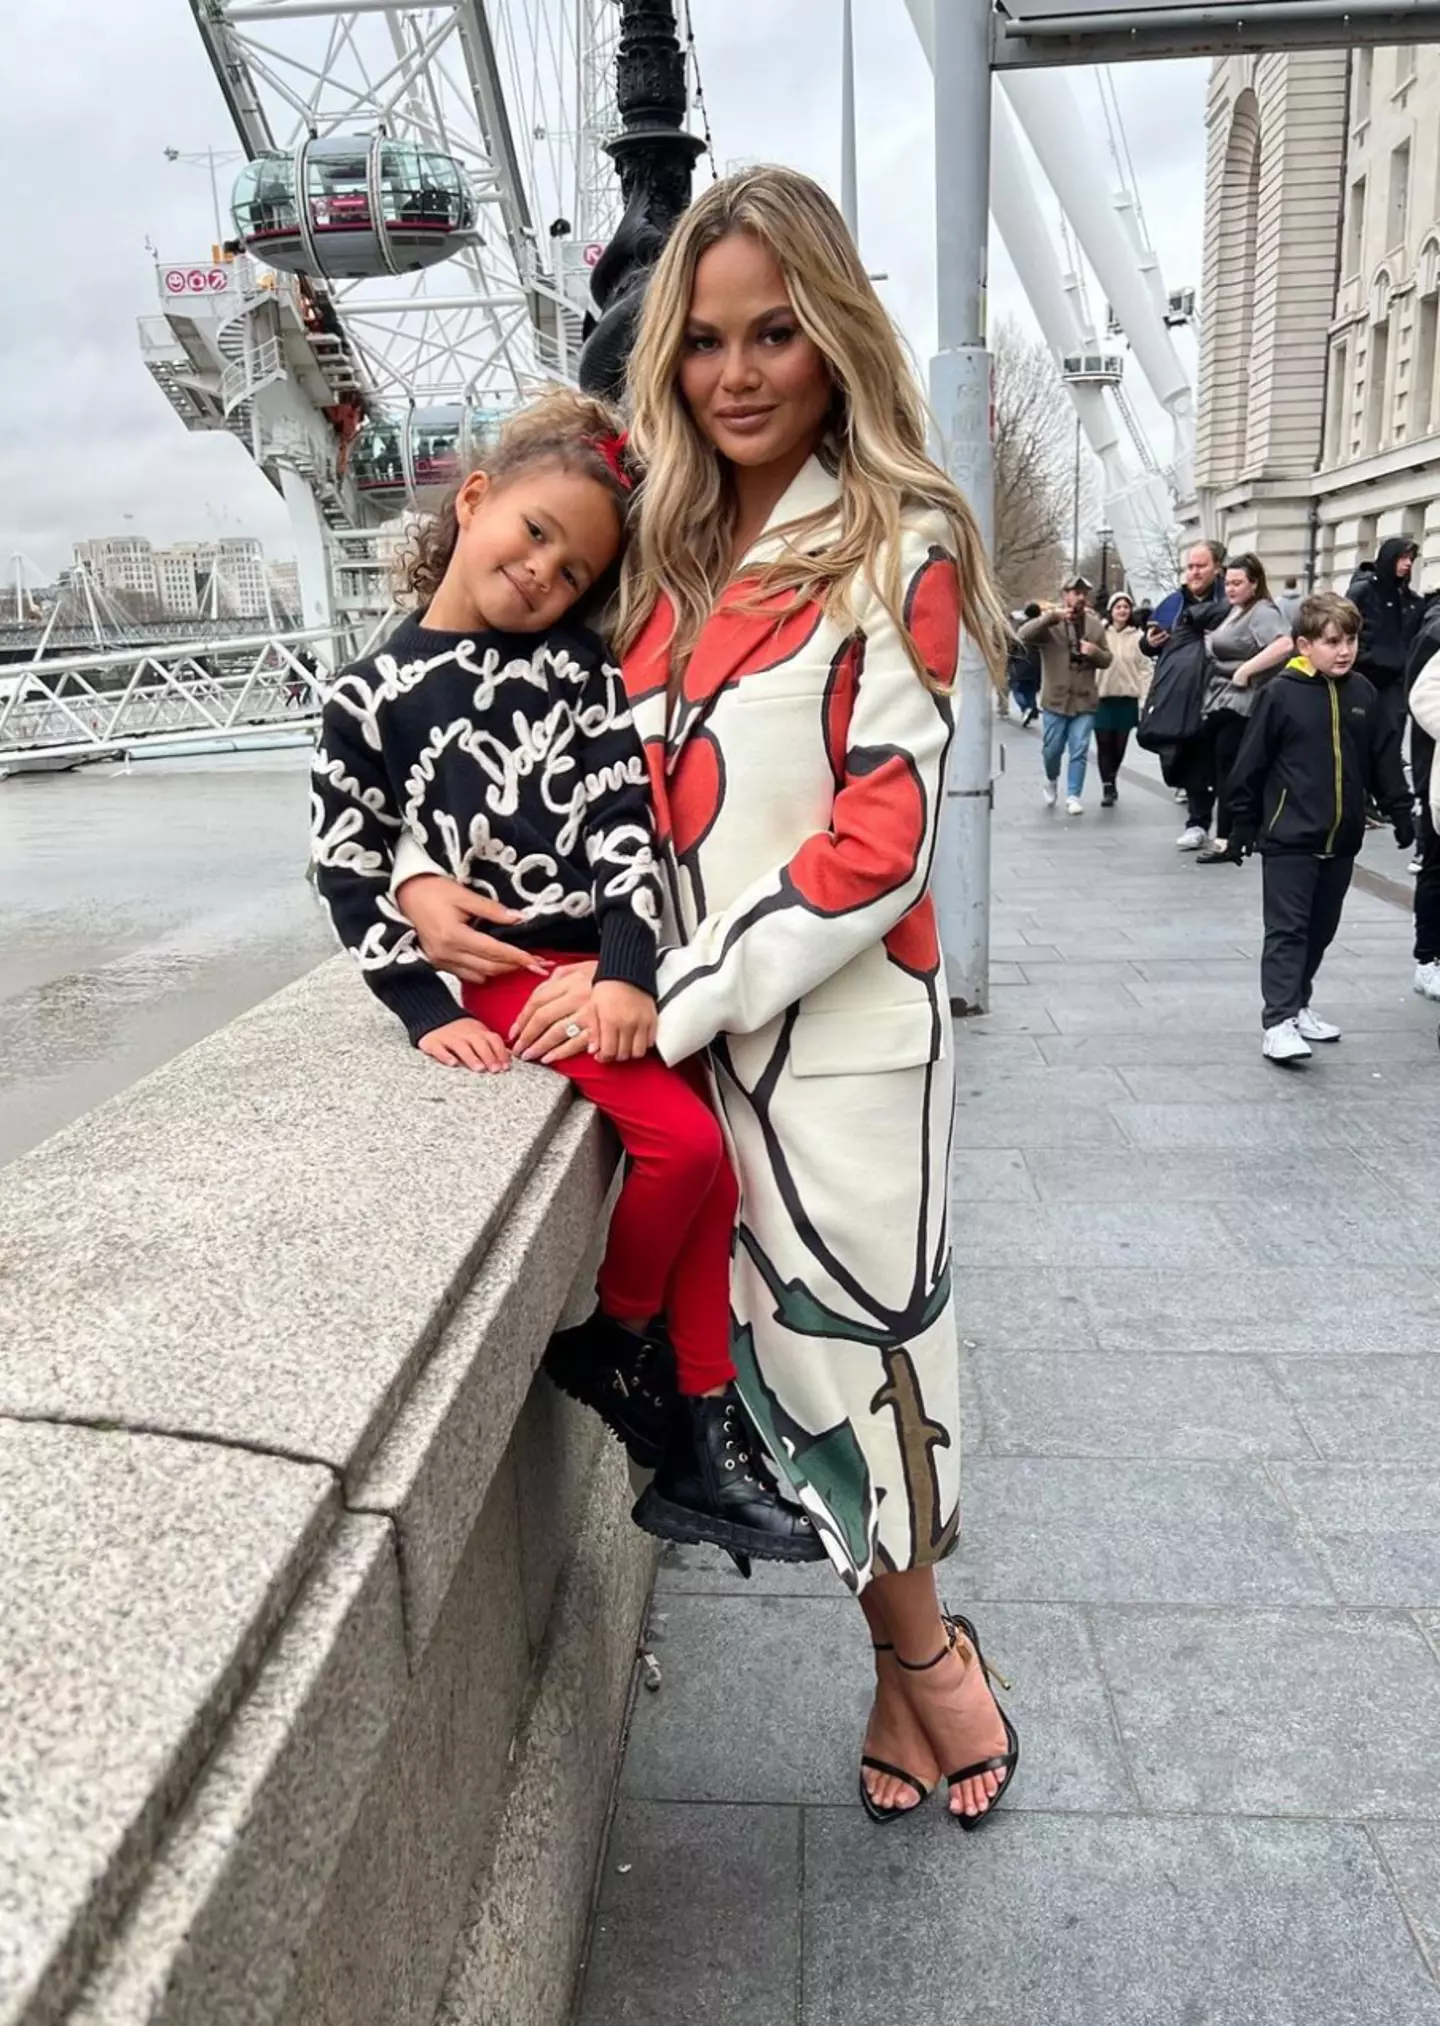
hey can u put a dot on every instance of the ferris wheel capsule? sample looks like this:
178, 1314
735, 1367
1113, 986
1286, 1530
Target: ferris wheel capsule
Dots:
412, 457
353, 206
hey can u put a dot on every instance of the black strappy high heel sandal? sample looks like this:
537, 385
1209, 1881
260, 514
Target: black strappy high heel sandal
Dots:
1004, 1762
867, 1802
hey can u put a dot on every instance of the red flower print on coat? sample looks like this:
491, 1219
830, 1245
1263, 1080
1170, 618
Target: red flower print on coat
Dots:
932, 615
646, 668
876, 835
840, 703
654, 751
745, 643
880, 820
697, 788
913, 943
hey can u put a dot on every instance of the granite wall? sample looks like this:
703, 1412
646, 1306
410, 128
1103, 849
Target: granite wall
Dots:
317, 1606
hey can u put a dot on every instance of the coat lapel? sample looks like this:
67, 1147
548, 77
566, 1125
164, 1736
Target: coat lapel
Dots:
734, 640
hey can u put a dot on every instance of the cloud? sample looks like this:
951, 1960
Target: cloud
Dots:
91, 447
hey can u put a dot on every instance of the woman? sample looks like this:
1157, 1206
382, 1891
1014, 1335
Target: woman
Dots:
790, 617
1122, 690
1251, 642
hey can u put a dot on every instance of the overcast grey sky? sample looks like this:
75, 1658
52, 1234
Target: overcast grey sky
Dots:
95, 92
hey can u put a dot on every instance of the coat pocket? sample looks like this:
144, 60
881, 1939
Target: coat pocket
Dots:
865, 1043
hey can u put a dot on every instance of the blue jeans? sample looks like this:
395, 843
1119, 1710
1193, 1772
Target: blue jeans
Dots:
1061, 733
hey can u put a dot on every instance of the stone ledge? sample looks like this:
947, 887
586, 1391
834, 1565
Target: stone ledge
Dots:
260, 1244
315, 1277
139, 1583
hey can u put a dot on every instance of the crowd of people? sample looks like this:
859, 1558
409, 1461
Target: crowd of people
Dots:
1280, 721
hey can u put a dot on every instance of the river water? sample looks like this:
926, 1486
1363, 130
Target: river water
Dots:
140, 909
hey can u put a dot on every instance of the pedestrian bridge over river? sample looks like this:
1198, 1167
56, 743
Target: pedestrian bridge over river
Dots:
234, 691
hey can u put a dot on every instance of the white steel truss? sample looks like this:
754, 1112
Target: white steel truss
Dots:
520, 92
230, 692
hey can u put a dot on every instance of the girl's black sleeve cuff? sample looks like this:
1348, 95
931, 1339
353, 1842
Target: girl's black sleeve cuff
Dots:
627, 951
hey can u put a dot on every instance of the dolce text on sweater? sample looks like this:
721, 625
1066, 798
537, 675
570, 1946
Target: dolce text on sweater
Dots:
512, 761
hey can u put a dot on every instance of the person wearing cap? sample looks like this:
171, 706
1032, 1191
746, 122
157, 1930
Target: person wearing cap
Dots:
1073, 650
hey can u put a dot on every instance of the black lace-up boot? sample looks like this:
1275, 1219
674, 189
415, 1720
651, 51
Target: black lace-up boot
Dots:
628, 1379
708, 1489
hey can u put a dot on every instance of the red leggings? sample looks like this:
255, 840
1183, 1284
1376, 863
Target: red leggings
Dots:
674, 1220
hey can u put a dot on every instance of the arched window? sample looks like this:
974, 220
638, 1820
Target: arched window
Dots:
1377, 366
1236, 223
1423, 343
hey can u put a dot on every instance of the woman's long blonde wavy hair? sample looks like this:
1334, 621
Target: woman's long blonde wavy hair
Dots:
874, 442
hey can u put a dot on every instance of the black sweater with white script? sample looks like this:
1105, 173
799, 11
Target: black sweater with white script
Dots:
511, 759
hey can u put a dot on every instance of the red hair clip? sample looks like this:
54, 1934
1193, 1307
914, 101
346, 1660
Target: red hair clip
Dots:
612, 448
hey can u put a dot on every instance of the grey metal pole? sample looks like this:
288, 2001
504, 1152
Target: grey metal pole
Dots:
849, 197
960, 394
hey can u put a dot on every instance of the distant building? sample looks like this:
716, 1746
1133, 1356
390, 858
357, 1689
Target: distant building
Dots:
178, 581
239, 563
227, 578
284, 578
1319, 409
121, 563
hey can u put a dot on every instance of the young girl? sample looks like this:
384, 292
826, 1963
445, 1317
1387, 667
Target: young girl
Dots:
1122, 688
492, 735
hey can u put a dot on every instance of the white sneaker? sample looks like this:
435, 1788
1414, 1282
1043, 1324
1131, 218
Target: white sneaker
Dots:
1052, 794
1311, 1027
1286, 1043
1074, 806
1427, 980
1192, 838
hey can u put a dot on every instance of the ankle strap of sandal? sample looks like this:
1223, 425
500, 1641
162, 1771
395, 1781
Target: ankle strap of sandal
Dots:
920, 1666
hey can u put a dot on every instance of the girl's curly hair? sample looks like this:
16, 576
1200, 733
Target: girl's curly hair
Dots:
562, 429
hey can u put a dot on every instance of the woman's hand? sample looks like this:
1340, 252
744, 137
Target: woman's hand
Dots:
565, 1000
1240, 677
441, 911
465, 1044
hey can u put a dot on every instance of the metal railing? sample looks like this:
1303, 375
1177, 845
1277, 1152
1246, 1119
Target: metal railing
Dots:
245, 376
237, 691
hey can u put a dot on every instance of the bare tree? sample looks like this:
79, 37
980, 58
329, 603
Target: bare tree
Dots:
1034, 466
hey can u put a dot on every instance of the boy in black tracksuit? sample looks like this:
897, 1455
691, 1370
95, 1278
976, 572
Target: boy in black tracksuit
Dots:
1317, 747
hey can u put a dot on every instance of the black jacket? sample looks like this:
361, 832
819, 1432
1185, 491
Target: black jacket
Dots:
1426, 642
1315, 749
1173, 708
1390, 613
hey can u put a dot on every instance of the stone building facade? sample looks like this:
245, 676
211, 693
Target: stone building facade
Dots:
1319, 420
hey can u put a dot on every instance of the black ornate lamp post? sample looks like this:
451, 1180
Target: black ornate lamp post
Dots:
654, 158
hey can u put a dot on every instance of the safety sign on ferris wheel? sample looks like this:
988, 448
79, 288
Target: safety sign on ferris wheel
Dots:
195, 280
593, 252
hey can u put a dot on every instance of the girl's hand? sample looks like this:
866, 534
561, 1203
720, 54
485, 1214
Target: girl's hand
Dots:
627, 1021
1241, 678
565, 1000
442, 910
465, 1044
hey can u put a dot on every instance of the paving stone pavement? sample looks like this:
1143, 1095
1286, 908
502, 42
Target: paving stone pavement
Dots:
1201, 1303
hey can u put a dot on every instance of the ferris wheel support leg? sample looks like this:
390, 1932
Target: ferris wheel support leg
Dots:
311, 557
960, 383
